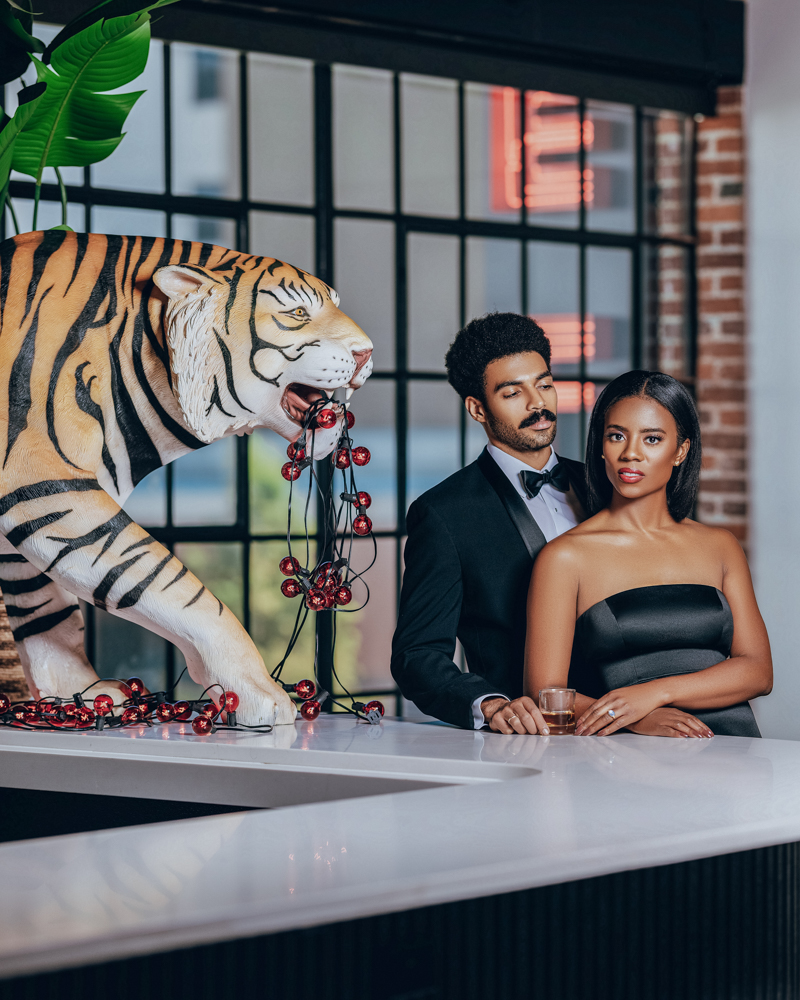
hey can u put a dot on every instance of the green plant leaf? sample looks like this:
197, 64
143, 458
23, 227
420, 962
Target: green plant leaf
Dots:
29, 99
16, 44
62, 228
105, 10
76, 123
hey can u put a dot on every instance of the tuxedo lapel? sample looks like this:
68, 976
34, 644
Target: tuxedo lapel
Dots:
521, 517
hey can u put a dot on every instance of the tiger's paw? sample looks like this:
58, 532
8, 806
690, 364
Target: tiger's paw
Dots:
273, 708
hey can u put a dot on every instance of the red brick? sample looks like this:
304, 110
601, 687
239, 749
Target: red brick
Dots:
730, 145
719, 394
734, 327
710, 485
732, 418
725, 349
730, 260
725, 441
717, 168
729, 282
716, 305
732, 236
719, 213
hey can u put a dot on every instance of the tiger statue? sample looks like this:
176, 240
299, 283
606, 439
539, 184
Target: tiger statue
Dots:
118, 354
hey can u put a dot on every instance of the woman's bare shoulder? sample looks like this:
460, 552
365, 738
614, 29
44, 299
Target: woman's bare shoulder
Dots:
712, 535
573, 544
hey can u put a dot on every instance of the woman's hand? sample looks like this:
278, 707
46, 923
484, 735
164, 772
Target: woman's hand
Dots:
619, 709
673, 722
518, 716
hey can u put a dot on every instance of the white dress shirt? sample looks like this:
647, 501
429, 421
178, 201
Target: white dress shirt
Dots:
549, 509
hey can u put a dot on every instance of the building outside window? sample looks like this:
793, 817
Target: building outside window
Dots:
425, 201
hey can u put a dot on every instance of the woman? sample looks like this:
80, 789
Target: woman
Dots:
649, 614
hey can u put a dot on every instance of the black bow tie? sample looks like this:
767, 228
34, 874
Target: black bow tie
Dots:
533, 481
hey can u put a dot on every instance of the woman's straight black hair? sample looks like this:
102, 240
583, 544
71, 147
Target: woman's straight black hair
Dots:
673, 396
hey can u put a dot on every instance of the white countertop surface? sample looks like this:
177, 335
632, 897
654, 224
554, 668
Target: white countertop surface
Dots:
490, 814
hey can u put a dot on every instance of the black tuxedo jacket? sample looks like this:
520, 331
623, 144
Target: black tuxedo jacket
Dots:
468, 561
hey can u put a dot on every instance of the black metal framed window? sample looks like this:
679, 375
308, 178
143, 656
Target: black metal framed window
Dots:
424, 201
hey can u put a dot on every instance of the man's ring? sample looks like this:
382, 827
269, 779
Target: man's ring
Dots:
510, 717
612, 713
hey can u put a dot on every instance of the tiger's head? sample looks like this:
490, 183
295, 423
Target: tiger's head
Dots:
254, 343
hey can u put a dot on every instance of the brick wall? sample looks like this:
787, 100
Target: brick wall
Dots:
721, 390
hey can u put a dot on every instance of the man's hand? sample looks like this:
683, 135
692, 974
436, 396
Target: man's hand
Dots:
671, 722
518, 716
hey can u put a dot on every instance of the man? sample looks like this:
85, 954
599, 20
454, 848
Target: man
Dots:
473, 538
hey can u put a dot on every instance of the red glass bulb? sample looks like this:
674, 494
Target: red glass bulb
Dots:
350, 420
85, 717
202, 725
305, 689
129, 715
330, 601
143, 709
103, 704
125, 691
364, 499
326, 419
372, 705
326, 576
362, 525
361, 455
210, 709
289, 566
310, 710
342, 459
165, 712
290, 472
315, 599
343, 595
231, 701
294, 452
5, 703
291, 588
19, 712
183, 711
70, 708
136, 684
31, 718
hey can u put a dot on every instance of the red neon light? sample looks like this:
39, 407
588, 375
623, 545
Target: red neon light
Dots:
569, 396
564, 333
552, 144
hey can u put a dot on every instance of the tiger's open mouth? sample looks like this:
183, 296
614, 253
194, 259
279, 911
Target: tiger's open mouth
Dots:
298, 397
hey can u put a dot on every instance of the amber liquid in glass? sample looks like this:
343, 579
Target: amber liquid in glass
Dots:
560, 723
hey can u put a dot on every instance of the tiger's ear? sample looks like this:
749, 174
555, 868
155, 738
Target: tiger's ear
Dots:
189, 331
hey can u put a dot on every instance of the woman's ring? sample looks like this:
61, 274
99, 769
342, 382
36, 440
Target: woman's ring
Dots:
612, 713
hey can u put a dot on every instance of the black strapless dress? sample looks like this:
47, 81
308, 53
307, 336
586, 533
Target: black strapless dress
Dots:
650, 632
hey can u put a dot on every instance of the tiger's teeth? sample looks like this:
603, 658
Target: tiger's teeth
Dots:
349, 393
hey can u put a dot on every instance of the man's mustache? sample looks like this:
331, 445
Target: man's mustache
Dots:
534, 418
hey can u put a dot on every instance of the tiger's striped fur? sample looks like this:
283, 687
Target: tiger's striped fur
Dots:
117, 355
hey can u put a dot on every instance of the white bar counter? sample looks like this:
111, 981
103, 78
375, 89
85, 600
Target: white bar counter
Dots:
369, 820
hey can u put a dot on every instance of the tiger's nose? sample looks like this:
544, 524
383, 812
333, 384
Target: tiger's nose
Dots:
361, 358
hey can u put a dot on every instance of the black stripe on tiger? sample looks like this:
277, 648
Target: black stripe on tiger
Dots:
83, 397
195, 599
43, 624
233, 283
257, 344
216, 401
134, 594
110, 530
77, 332
180, 575
28, 586
19, 382
51, 241
82, 244
15, 611
226, 359
142, 453
28, 528
46, 488
101, 591
12, 559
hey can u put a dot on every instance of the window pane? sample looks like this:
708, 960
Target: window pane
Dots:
494, 276
434, 412
363, 138
290, 238
219, 566
492, 124
205, 121
609, 135
554, 301
433, 299
204, 485
124, 649
281, 119
138, 162
148, 503
667, 325
429, 111
49, 215
272, 616
552, 164
569, 440
128, 221
365, 277
373, 406
269, 491
204, 229
608, 311
364, 636
667, 141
